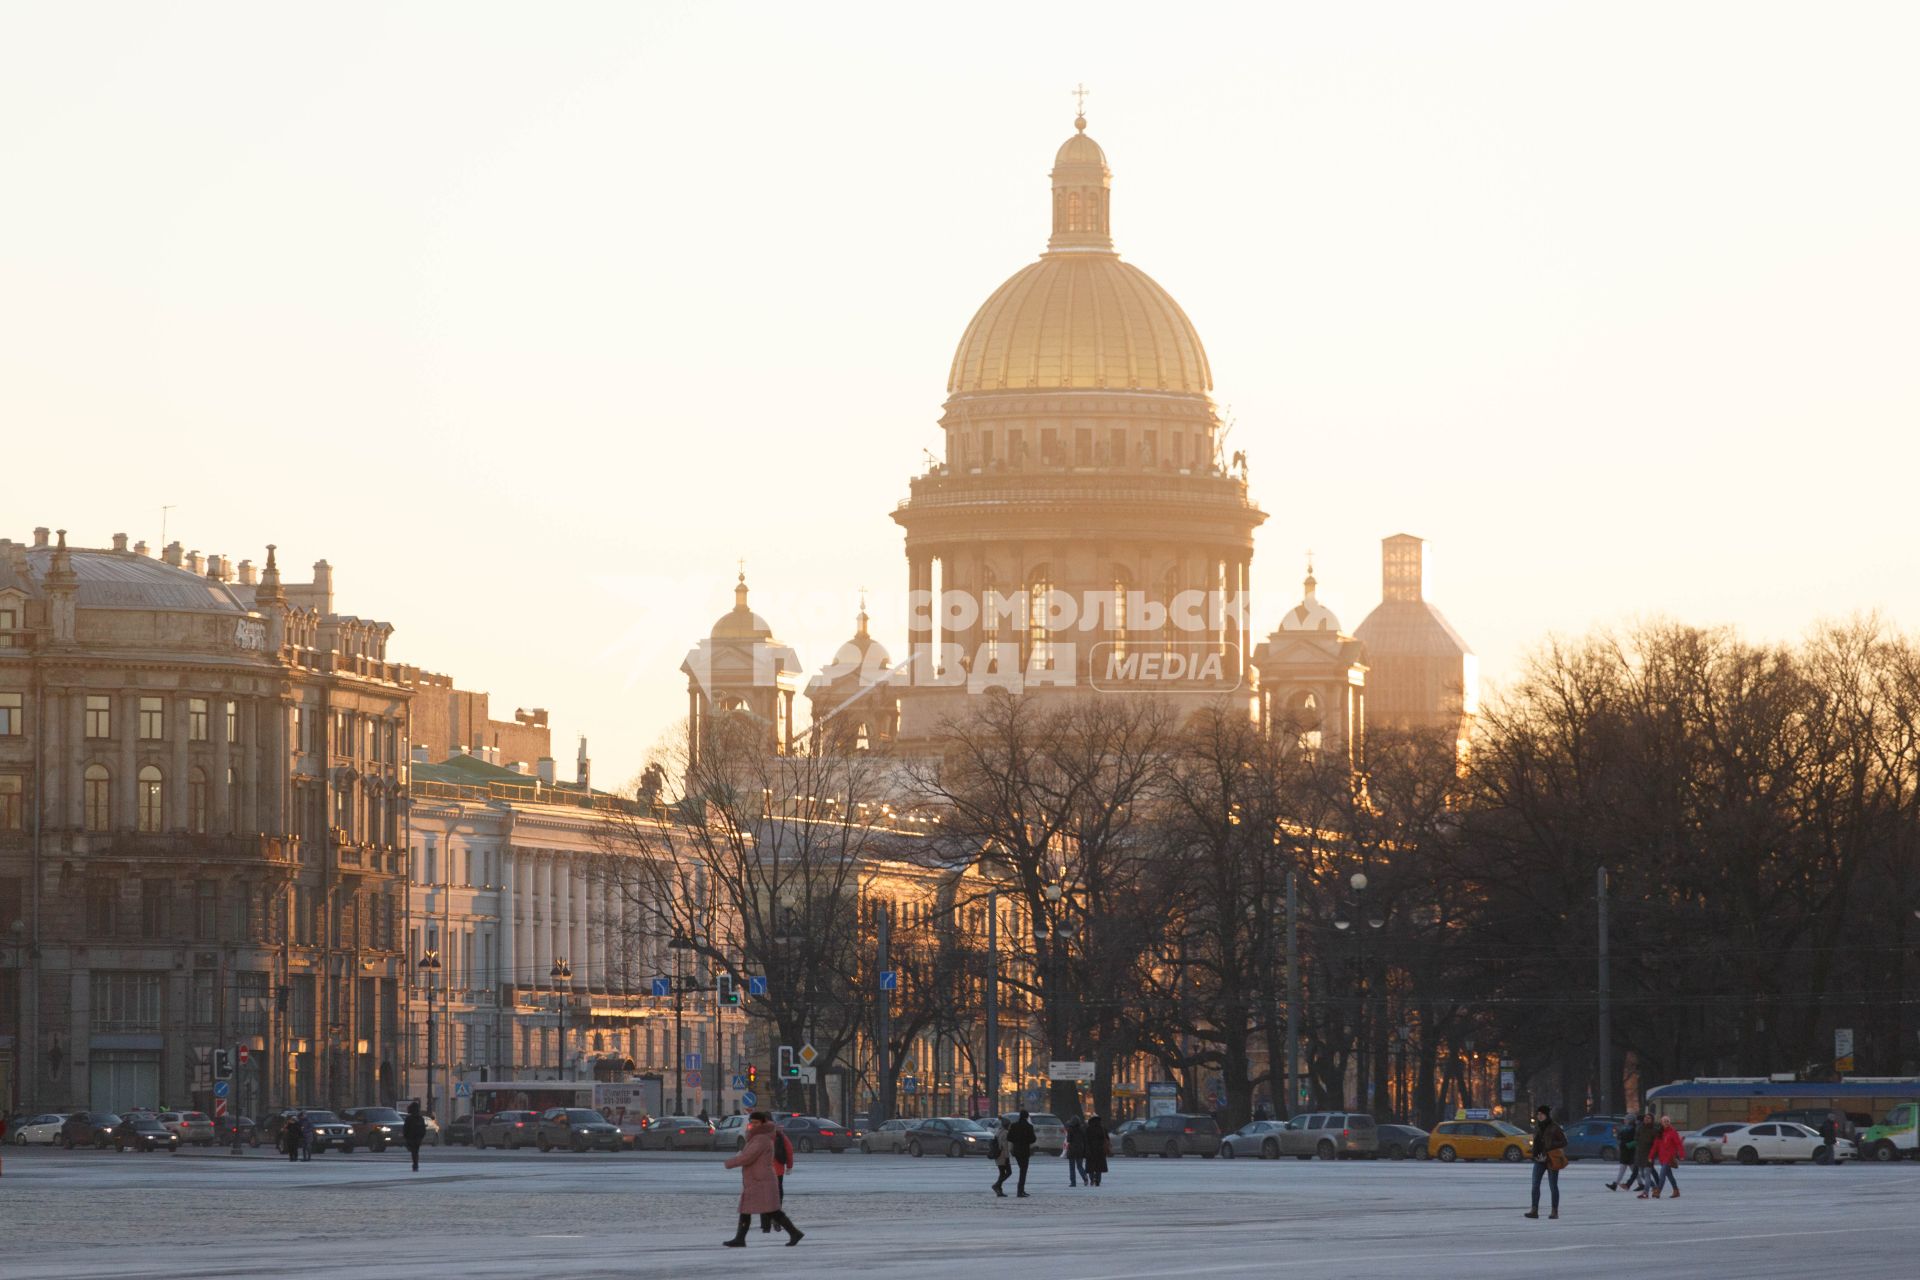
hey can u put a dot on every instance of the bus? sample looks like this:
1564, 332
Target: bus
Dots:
1694, 1104
617, 1102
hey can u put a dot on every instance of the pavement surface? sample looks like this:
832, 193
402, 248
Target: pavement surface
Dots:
476, 1215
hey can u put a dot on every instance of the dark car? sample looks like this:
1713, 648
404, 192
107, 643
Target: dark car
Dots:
230, 1129
145, 1135
509, 1129
1175, 1135
327, 1129
460, 1131
948, 1136
88, 1129
375, 1128
1402, 1142
580, 1128
811, 1133
1260, 1138
1593, 1139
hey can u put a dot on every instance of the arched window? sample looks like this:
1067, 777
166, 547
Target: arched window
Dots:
1120, 619
1303, 719
97, 789
1039, 612
150, 811
197, 802
1074, 222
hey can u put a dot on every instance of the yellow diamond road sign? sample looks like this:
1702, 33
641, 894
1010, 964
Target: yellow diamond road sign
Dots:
808, 1053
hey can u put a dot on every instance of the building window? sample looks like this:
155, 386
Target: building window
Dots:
153, 719
12, 713
233, 722
300, 743
197, 727
156, 908
126, 1003
12, 788
203, 980
206, 908
102, 899
197, 802
99, 715
151, 813
97, 790
9, 623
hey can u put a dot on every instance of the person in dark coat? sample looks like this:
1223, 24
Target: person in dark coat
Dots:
413, 1131
1020, 1139
1002, 1156
1644, 1135
1098, 1148
1075, 1151
290, 1139
1548, 1137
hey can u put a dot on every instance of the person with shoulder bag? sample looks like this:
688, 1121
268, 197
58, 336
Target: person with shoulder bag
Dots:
1549, 1158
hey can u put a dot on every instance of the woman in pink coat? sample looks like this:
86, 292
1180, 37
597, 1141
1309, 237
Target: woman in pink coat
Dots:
759, 1184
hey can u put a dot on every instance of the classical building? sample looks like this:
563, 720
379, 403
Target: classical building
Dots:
740, 675
543, 970
1313, 679
1082, 506
1420, 673
202, 777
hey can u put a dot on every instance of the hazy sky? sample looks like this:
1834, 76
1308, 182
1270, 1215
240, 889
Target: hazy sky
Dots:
532, 319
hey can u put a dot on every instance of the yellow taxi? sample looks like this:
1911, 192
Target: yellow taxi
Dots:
1479, 1140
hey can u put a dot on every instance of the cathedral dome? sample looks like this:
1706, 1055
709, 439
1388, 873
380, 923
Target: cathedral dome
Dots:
1310, 614
1079, 318
740, 622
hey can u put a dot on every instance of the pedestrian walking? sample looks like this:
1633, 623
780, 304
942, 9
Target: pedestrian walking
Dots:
1549, 1158
308, 1132
1075, 1151
759, 1184
1669, 1149
1021, 1137
1099, 1147
1644, 1134
1623, 1139
1002, 1152
782, 1166
1829, 1135
290, 1138
413, 1132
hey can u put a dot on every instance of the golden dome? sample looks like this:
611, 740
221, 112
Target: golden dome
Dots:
740, 622
1079, 318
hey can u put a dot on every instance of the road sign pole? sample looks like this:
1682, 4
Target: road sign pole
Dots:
993, 1002
881, 1048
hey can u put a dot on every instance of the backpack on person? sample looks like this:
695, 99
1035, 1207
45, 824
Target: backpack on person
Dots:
782, 1148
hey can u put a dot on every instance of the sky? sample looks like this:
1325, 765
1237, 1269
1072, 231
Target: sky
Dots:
533, 320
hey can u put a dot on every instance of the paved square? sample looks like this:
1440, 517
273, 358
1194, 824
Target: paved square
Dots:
496, 1214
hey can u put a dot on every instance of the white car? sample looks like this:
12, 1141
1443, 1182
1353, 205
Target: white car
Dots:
1778, 1140
1709, 1145
39, 1131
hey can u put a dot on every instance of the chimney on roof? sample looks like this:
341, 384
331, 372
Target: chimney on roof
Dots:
141, 548
544, 767
583, 766
119, 542
247, 578
516, 766
323, 585
172, 554
40, 536
193, 562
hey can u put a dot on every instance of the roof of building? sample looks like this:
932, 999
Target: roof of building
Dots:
127, 580
1409, 629
740, 622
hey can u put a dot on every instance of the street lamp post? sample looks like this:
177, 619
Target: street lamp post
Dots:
1052, 933
1358, 881
430, 970
680, 946
562, 975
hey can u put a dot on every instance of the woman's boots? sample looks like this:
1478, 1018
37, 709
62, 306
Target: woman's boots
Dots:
739, 1240
780, 1220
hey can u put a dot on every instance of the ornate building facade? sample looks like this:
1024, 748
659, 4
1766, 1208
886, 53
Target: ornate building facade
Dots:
202, 779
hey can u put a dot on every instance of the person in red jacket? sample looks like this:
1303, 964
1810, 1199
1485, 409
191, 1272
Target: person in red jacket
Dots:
1669, 1149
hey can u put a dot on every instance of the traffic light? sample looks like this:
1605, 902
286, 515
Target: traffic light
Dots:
753, 1075
222, 1064
789, 1069
729, 994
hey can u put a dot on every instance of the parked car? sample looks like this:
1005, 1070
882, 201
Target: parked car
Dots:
145, 1135
88, 1129
1480, 1140
677, 1133
1774, 1141
508, 1129
460, 1131
229, 1129
42, 1130
1849, 1123
887, 1138
193, 1128
1049, 1131
1259, 1139
1117, 1136
1708, 1145
815, 1133
730, 1132
328, 1129
1330, 1135
1174, 1135
949, 1136
577, 1128
375, 1128
1593, 1139
1401, 1142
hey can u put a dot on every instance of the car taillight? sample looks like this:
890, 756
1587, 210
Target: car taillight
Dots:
1343, 1133
1189, 1131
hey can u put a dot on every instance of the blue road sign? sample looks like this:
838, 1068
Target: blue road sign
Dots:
220, 1088
739, 1082
462, 1089
693, 1062
909, 1084
663, 986
890, 980
756, 986
749, 1098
